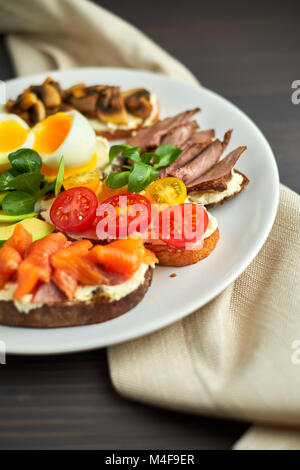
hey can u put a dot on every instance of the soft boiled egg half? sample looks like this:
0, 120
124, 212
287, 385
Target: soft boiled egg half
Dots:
68, 134
14, 134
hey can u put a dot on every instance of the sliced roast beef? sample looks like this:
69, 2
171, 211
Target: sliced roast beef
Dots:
189, 152
202, 136
204, 161
227, 138
217, 177
180, 134
150, 137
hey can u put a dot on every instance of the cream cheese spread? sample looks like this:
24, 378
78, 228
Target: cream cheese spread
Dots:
116, 292
212, 197
83, 293
23, 305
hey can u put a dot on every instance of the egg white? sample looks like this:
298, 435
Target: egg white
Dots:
77, 148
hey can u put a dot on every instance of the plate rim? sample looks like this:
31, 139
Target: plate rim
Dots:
203, 300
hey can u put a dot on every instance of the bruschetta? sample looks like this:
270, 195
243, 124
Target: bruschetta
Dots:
54, 282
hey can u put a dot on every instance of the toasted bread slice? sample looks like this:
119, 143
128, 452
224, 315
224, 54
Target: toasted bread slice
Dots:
63, 314
169, 256
243, 185
218, 189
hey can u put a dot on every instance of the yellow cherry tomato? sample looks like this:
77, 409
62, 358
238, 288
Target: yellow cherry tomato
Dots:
89, 180
168, 190
105, 192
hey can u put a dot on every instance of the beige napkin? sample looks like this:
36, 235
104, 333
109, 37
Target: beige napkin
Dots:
50, 34
237, 357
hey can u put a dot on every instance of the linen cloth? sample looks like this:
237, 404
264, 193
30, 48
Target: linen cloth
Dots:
238, 356
49, 34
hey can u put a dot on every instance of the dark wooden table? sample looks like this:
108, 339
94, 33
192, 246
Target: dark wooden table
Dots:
250, 53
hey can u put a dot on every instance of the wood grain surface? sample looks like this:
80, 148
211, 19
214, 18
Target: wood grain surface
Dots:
250, 53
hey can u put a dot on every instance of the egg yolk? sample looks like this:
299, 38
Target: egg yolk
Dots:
50, 133
12, 135
51, 173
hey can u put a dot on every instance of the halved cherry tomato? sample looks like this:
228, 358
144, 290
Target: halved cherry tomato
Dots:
105, 191
74, 210
182, 224
89, 180
168, 190
123, 214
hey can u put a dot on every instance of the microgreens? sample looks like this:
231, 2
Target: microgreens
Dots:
24, 183
144, 167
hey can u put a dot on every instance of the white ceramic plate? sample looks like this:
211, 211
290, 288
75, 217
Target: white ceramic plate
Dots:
244, 222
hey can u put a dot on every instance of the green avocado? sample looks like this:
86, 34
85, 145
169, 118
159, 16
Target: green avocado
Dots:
5, 218
38, 228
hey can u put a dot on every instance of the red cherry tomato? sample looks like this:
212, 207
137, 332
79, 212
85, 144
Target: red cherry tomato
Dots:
182, 224
74, 210
123, 214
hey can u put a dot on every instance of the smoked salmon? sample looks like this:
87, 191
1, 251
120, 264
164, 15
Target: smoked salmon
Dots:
36, 266
72, 266
12, 253
20, 240
67, 264
122, 256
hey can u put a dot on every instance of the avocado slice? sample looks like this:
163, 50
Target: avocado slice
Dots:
4, 218
38, 228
